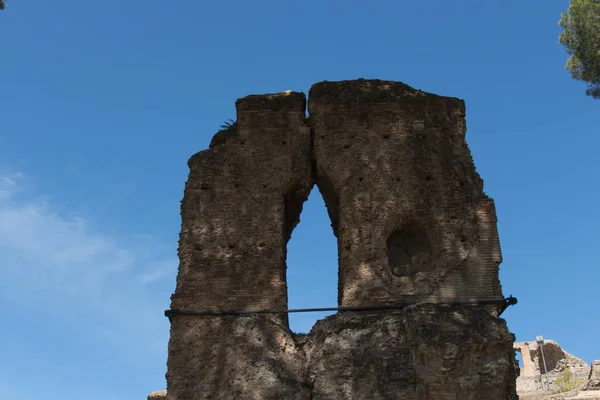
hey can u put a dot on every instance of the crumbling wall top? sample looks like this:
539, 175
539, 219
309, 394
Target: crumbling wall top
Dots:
363, 91
272, 101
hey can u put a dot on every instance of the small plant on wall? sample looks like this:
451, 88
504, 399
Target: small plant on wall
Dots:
227, 130
566, 382
228, 126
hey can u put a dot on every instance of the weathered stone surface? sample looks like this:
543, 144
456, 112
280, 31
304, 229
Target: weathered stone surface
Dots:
378, 339
421, 352
413, 226
158, 395
593, 382
234, 357
461, 353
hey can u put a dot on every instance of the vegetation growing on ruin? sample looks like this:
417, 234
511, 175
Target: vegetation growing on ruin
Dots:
566, 382
227, 130
228, 126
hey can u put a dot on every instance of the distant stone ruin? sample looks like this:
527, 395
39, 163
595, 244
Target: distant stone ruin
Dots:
418, 249
593, 382
532, 374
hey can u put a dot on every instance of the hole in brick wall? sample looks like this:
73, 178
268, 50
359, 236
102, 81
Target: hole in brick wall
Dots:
408, 251
312, 264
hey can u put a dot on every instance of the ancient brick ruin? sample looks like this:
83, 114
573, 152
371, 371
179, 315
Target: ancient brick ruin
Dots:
414, 229
593, 382
540, 372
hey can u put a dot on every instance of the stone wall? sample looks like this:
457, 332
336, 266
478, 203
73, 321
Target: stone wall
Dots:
413, 226
406, 203
593, 382
531, 377
241, 201
424, 351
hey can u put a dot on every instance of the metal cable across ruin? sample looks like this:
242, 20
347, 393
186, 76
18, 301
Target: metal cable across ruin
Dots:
506, 302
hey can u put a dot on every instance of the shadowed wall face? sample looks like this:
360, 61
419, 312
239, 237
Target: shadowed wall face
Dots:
407, 205
242, 199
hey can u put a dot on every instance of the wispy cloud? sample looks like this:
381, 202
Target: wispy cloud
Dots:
50, 260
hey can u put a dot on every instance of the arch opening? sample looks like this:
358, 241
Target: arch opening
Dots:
312, 264
519, 359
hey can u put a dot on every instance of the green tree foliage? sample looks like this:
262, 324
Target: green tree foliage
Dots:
581, 38
2, 4
566, 382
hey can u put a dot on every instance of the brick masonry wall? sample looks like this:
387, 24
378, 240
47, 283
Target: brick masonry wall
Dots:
382, 176
390, 158
412, 224
241, 201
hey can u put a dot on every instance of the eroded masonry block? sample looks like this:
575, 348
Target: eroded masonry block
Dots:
234, 357
413, 227
421, 352
593, 382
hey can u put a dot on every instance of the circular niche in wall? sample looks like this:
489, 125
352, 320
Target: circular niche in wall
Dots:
408, 251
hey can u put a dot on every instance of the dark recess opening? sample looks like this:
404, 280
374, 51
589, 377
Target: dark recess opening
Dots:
408, 251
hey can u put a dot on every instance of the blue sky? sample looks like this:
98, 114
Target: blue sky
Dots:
103, 103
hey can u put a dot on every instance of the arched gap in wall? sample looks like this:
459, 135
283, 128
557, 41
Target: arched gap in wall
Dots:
312, 265
519, 358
